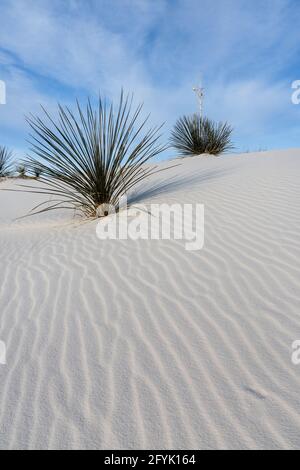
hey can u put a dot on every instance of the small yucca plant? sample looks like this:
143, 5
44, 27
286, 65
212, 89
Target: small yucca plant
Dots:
6, 167
193, 135
37, 171
88, 160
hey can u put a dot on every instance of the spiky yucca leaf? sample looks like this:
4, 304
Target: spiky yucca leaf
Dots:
37, 171
6, 167
193, 135
91, 158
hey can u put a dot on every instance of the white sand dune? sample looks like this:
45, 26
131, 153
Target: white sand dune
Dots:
142, 344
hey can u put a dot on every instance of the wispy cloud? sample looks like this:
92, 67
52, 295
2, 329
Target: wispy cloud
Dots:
246, 51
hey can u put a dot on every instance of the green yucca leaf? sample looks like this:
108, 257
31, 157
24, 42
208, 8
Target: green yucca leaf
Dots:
6, 166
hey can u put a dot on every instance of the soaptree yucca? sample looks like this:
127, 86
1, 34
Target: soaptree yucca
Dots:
194, 135
21, 170
6, 167
90, 158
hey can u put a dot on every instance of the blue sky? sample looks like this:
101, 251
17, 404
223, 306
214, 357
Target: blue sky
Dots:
246, 51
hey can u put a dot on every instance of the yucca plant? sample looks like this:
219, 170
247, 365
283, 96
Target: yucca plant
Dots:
6, 167
195, 135
90, 158
37, 171
21, 169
